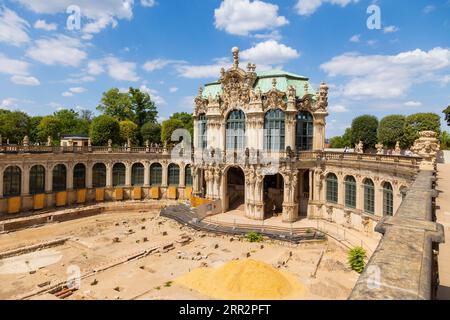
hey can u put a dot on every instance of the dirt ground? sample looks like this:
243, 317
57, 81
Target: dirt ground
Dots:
138, 255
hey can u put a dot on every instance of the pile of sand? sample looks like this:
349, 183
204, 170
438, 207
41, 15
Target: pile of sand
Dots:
243, 280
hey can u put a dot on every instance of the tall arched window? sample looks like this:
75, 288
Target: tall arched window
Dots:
202, 131
236, 130
174, 174
350, 192
37, 180
369, 196
137, 174
119, 174
188, 176
274, 130
304, 131
99, 175
79, 176
332, 188
12, 181
156, 174
59, 178
388, 199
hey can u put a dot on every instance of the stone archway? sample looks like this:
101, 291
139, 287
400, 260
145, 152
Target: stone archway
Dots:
273, 195
235, 189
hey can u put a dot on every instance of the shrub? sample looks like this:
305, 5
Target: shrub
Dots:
254, 237
356, 259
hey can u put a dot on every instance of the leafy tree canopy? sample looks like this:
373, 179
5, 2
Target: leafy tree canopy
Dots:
14, 125
128, 130
447, 115
103, 128
391, 130
420, 122
364, 128
151, 132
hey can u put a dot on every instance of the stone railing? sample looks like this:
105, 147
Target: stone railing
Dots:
404, 265
366, 157
15, 149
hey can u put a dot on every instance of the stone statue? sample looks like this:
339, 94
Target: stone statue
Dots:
292, 93
109, 143
427, 147
235, 52
49, 141
379, 147
398, 150
359, 148
26, 141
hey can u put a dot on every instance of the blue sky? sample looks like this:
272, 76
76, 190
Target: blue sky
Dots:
171, 47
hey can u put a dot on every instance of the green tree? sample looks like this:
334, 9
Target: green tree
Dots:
71, 123
33, 125
50, 126
14, 125
420, 122
364, 128
391, 130
337, 142
445, 140
447, 115
168, 127
143, 108
151, 132
116, 104
187, 119
356, 259
104, 128
128, 130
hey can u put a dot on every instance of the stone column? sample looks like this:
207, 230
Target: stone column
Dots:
319, 131
25, 181
146, 174
290, 129
69, 177
109, 175
290, 206
182, 175
379, 207
341, 189
311, 185
89, 175
128, 170
359, 194
48, 179
165, 172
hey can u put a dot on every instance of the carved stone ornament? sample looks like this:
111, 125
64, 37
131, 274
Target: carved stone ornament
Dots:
274, 98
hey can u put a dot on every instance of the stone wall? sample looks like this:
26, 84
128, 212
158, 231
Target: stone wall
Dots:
404, 264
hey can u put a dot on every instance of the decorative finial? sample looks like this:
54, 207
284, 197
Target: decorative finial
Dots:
235, 52
200, 91
306, 87
274, 83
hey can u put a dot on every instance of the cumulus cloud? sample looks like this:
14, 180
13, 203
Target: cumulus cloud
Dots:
390, 29
13, 103
356, 38
25, 80
73, 91
13, 29
308, 7
42, 24
154, 95
159, 64
148, 3
58, 50
413, 104
386, 76
116, 68
13, 66
241, 17
269, 53
338, 109
203, 71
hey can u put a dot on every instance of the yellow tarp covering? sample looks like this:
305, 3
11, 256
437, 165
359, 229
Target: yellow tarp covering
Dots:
119, 194
244, 280
14, 205
172, 193
81, 196
38, 201
188, 192
197, 202
61, 198
154, 193
99, 195
137, 193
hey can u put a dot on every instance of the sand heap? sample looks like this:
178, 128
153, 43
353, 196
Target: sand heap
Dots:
243, 280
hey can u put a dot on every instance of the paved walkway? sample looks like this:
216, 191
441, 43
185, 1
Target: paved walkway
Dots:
443, 217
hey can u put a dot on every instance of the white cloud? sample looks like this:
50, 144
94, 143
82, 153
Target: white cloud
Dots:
13, 66
203, 71
25, 80
241, 17
356, 38
413, 104
154, 95
273, 35
95, 68
386, 76
148, 3
73, 91
308, 7
13, 103
187, 103
173, 89
159, 64
121, 70
390, 29
338, 109
42, 24
269, 53
58, 50
428, 9
13, 29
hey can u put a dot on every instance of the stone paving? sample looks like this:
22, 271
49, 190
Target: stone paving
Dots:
443, 217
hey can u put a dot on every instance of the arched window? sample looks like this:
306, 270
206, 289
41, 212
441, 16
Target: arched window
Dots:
188, 176
99, 175
350, 192
236, 130
304, 131
137, 174
59, 178
156, 174
79, 176
37, 180
119, 174
12, 182
332, 188
388, 199
174, 175
369, 196
274, 130
202, 131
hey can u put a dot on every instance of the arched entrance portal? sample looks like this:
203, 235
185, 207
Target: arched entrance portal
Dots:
235, 189
273, 195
